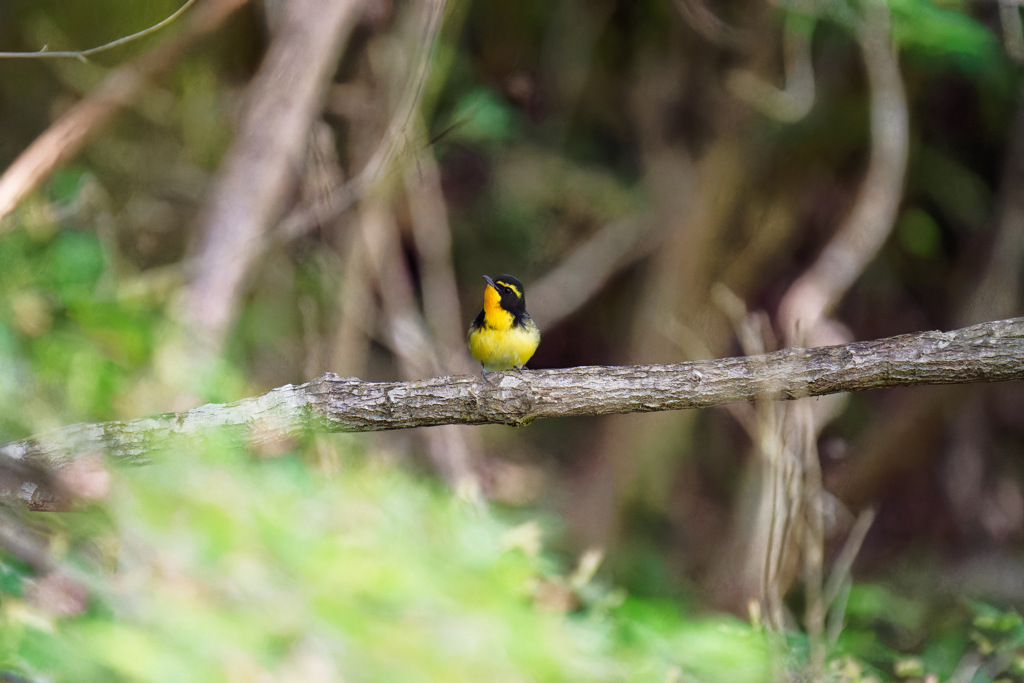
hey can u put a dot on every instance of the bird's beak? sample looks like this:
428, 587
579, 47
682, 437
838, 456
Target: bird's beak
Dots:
490, 282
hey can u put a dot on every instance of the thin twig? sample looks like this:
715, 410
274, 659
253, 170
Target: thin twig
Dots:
813, 541
844, 563
83, 55
68, 134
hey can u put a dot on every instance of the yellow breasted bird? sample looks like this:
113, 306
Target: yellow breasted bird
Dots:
503, 336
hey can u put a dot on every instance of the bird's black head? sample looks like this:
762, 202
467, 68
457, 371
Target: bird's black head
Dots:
510, 291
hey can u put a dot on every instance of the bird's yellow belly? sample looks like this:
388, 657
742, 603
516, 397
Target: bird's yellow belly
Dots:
504, 349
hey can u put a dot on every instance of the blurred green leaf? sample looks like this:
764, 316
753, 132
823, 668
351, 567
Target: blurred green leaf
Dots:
76, 262
705, 649
919, 234
482, 116
66, 184
944, 31
12, 574
958, 191
124, 333
871, 602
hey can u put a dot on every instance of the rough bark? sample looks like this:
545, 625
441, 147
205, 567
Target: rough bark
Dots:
988, 352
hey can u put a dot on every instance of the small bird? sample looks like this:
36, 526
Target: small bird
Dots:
503, 336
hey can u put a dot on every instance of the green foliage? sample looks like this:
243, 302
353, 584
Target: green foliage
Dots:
66, 338
998, 636
952, 186
944, 32
75, 343
481, 116
227, 566
907, 636
704, 649
919, 234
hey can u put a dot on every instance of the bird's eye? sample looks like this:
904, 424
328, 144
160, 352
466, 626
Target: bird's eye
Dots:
506, 289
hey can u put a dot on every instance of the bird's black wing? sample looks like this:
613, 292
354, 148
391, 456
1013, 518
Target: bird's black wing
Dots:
519, 319
478, 322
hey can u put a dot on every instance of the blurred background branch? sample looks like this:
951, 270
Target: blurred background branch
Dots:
260, 171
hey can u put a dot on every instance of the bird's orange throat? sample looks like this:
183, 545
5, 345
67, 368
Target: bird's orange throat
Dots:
495, 316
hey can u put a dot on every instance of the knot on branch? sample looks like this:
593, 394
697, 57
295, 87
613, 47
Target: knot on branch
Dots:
507, 397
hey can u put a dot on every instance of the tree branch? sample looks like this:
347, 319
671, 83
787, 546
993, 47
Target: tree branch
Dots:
83, 55
989, 352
